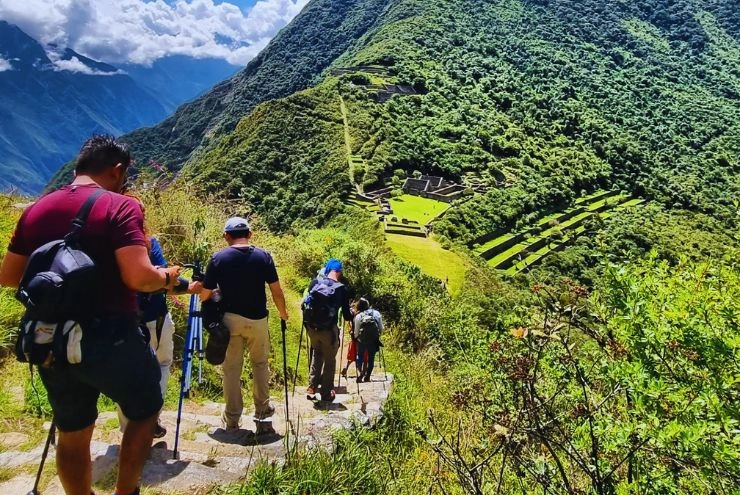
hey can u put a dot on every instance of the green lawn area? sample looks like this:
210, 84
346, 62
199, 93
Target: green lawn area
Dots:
428, 254
422, 210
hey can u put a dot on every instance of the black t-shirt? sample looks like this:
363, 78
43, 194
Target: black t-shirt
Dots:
241, 274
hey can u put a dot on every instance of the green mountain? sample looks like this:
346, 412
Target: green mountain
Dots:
540, 100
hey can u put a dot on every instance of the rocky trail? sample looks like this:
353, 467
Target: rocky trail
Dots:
208, 455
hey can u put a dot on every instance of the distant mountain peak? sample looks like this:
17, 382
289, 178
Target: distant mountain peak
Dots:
66, 59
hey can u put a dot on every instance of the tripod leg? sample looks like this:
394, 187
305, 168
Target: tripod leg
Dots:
187, 356
200, 349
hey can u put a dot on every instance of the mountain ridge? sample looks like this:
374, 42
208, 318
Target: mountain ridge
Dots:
52, 98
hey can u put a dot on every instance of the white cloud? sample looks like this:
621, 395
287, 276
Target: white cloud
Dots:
76, 65
140, 31
5, 65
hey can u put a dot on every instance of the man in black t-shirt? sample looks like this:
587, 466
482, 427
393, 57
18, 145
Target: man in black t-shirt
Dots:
240, 272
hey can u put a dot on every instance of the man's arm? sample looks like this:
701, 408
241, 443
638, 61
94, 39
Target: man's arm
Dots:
379, 319
138, 273
279, 299
12, 268
346, 312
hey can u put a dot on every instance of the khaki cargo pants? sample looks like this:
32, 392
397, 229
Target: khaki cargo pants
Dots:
255, 334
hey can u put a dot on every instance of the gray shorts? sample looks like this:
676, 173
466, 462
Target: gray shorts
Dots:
117, 362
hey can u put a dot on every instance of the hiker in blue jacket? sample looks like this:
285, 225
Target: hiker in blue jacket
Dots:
327, 297
155, 316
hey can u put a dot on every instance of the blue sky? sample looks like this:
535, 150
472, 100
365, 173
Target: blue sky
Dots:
142, 31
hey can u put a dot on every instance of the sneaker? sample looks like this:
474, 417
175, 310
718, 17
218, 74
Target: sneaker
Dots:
343, 372
359, 379
332, 396
266, 413
310, 393
159, 430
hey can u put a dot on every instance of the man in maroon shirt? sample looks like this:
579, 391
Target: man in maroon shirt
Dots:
116, 360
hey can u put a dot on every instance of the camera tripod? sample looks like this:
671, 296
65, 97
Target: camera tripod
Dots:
193, 345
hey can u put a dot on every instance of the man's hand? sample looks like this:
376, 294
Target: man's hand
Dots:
174, 275
138, 273
195, 287
283, 314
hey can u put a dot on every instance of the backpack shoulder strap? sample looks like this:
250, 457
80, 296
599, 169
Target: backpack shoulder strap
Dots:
82, 215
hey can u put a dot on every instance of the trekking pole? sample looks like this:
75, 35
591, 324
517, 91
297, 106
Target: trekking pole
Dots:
49, 441
382, 359
341, 350
298, 359
283, 328
186, 370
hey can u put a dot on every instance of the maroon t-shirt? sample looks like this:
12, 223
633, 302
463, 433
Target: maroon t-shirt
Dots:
115, 221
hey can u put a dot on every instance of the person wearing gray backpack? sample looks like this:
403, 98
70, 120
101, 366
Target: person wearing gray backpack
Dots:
368, 325
327, 298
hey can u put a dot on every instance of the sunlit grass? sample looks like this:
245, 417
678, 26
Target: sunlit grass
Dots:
428, 254
422, 210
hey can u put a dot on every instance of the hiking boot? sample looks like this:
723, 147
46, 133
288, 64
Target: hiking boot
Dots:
343, 373
269, 411
366, 379
159, 430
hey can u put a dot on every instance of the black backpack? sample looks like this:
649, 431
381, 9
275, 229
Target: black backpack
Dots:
57, 282
368, 331
321, 305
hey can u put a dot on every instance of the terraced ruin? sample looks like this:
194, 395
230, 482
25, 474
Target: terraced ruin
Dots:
516, 251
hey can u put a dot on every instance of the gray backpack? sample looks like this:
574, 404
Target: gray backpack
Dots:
368, 331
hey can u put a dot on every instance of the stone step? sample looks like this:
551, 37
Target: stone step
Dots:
209, 455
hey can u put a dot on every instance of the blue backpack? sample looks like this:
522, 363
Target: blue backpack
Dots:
320, 306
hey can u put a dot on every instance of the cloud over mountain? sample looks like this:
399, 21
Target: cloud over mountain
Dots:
139, 31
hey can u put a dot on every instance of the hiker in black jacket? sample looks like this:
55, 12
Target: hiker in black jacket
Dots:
321, 308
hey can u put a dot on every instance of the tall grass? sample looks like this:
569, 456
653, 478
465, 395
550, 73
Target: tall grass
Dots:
10, 309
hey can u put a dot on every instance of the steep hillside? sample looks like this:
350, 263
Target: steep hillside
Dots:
540, 100
51, 97
291, 62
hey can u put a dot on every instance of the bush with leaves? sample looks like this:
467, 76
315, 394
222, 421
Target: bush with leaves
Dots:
632, 389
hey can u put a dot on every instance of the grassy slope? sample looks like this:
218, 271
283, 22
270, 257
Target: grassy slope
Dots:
427, 254
422, 210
